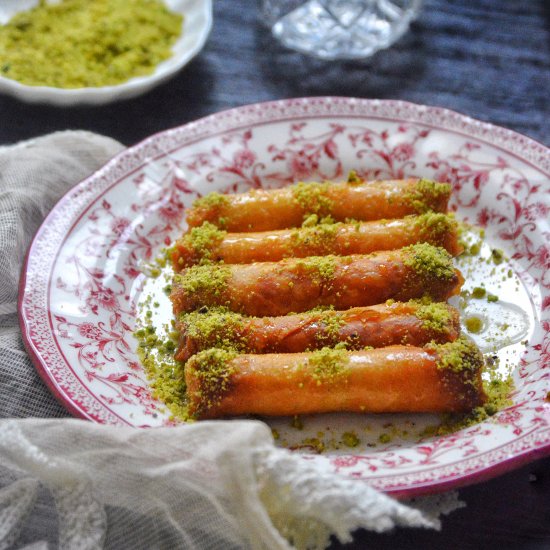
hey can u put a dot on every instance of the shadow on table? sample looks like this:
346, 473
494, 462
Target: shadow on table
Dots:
291, 74
510, 512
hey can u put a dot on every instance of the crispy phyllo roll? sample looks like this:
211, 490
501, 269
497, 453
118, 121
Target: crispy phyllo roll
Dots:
266, 210
437, 378
209, 243
411, 323
298, 285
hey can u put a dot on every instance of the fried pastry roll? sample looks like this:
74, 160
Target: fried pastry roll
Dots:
207, 242
410, 323
297, 285
437, 378
266, 210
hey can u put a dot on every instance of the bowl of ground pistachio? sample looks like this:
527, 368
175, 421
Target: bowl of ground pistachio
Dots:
70, 52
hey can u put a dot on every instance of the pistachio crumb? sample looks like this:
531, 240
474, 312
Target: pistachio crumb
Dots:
474, 324
203, 239
211, 200
478, 292
217, 327
434, 225
460, 355
312, 198
353, 178
429, 261
323, 266
214, 371
425, 194
497, 256
297, 423
350, 439
208, 279
436, 316
328, 364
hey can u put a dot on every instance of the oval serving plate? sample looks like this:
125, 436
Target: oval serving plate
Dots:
82, 285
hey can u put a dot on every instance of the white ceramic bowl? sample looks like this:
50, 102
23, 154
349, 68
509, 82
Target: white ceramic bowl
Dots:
196, 27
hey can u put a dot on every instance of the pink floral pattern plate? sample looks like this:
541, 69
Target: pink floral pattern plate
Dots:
83, 280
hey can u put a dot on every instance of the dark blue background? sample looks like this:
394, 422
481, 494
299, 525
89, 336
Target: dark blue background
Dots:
489, 59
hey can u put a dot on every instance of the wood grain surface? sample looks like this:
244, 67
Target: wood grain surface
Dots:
489, 59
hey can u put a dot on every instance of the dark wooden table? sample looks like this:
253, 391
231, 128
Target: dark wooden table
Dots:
489, 59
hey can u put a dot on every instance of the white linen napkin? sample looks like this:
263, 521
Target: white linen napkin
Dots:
216, 484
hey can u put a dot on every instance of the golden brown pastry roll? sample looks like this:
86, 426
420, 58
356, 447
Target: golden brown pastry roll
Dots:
410, 323
266, 210
297, 285
437, 378
207, 242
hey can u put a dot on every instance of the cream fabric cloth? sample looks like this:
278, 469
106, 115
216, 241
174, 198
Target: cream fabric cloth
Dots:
76, 485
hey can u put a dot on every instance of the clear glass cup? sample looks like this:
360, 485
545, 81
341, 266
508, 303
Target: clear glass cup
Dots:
339, 29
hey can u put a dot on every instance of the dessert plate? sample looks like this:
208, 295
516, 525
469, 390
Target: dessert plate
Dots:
83, 285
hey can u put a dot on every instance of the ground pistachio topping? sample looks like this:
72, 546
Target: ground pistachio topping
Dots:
323, 266
310, 221
458, 356
425, 193
332, 322
429, 261
312, 197
203, 239
328, 364
213, 369
319, 237
211, 200
165, 374
209, 279
435, 316
218, 327
498, 392
79, 43
435, 225
319, 309
213, 204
